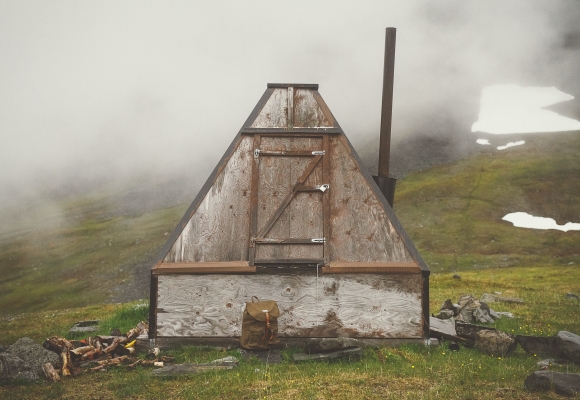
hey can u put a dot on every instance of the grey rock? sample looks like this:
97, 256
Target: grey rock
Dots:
445, 314
483, 305
455, 276
493, 314
569, 345
228, 359
442, 328
468, 304
563, 383
433, 342
321, 345
551, 361
541, 346
85, 327
572, 296
13, 367
456, 309
447, 305
495, 342
488, 298
482, 316
350, 354
33, 355
492, 298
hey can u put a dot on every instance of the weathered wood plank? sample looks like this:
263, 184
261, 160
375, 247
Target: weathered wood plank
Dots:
307, 112
219, 229
371, 268
360, 230
274, 114
371, 306
238, 267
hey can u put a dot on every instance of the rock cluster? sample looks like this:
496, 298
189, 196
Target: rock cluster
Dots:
24, 360
471, 309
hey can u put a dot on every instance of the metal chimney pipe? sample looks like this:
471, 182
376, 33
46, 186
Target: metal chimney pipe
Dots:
385, 183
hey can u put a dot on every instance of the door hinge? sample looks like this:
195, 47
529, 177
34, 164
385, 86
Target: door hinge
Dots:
318, 240
256, 153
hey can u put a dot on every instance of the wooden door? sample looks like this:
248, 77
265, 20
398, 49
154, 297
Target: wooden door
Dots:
290, 203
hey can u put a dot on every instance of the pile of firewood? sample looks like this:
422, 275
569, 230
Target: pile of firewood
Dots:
100, 351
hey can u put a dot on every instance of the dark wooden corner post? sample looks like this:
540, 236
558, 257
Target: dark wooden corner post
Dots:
384, 182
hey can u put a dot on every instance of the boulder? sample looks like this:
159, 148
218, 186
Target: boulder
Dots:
468, 304
32, 355
13, 367
540, 346
563, 383
488, 340
495, 342
569, 345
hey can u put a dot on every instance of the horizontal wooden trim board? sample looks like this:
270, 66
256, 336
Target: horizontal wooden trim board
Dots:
285, 131
230, 267
371, 268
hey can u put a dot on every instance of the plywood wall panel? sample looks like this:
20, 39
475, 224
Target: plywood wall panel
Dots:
360, 230
274, 114
307, 112
219, 228
370, 306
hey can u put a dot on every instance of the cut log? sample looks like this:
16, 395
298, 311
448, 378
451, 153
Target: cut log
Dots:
50, 372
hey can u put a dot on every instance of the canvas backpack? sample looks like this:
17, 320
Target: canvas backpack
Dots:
260, 324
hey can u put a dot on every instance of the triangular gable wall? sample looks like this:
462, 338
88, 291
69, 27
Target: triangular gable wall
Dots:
364, 231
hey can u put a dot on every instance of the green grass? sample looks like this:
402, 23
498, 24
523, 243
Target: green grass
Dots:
408, 372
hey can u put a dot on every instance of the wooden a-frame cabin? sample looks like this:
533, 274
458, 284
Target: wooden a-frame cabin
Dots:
290, 214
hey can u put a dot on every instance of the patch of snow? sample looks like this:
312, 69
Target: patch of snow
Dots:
483, 141
515, 109
511, 144
525, 220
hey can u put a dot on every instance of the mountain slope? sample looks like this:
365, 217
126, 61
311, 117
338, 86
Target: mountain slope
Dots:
453, 212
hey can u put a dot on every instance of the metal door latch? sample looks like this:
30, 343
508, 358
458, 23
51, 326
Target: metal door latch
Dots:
256, 153
318, 153
320, 240
323, 188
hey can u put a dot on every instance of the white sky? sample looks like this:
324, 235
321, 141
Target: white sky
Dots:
516, 109
109, 89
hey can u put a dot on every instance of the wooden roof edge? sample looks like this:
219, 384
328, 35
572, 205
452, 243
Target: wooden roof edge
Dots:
387, 208
312, 86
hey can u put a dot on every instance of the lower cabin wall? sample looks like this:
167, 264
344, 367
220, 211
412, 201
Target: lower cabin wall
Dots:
387, 306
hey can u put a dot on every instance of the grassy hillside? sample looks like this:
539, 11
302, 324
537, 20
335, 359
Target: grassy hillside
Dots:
453, 212
86, 253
